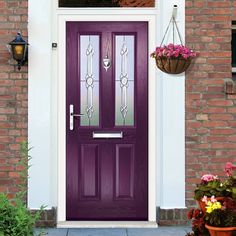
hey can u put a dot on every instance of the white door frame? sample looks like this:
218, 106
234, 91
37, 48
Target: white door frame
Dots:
61, 96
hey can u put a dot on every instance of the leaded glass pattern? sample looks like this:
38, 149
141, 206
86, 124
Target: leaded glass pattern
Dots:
124, 80
89, 80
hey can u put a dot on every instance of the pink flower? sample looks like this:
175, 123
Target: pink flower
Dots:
229, 167
213, 199
209, 177
204, 199
174, 51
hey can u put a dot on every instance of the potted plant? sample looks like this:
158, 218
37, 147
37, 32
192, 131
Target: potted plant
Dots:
221, 217
173, 58
211, 185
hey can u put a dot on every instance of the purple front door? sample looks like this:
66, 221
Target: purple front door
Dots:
106, 121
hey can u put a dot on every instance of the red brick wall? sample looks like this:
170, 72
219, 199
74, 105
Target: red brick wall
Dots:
13, 95
210, 112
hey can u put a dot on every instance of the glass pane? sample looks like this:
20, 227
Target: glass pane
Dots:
89, 80
124, 80
106, 3
233, 42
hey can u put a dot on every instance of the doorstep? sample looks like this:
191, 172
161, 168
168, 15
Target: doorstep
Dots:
107, 224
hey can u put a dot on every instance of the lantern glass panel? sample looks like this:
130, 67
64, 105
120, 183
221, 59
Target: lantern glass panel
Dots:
18, 52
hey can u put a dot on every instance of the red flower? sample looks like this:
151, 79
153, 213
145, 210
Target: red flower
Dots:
190, 214
229, 167
196, 213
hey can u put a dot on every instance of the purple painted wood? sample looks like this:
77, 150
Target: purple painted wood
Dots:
107, 179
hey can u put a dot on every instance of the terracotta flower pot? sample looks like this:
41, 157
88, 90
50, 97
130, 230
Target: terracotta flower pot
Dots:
172, 65
220, 231
202, 204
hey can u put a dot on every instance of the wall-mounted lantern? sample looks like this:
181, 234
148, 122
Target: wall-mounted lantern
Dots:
19, 50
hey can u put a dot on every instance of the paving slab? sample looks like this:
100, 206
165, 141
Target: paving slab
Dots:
160, 231
97, 232
51, 232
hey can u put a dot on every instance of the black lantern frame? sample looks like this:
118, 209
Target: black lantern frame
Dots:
19, 50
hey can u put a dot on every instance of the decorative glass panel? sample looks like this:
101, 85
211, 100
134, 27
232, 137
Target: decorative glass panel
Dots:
124, 80
106, 3
89, 80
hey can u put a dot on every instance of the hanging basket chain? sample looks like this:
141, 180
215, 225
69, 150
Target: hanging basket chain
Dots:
166, 32
177, 28
172, 19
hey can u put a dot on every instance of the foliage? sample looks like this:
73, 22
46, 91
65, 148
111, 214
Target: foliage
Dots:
211, 187
222, 216
197, 218
174, 51
15, 218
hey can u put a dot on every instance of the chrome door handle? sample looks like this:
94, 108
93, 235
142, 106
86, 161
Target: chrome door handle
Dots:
76, 115
72, 115
108, 135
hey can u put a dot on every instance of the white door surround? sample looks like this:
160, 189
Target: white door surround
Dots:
61, 110
47, 107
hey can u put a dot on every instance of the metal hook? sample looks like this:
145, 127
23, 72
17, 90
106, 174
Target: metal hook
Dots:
174, 12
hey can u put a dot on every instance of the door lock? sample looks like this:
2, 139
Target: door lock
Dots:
72, 115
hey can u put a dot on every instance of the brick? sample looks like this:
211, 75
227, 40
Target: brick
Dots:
223, 145
7, 110
223, 131
14, 18
218, 61
221, 117
215, 124
202, 117
6, 168
211, 139
212, 81
219, 4
232, 110
14, 175
217, 103
232, 139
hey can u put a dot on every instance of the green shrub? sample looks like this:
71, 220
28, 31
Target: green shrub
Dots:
15, 218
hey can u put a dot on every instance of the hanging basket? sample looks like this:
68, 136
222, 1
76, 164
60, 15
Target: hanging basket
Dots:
173, 58
173, 65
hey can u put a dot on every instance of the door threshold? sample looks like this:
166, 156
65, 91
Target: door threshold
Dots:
107, 224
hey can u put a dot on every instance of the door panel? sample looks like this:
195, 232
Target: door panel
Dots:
107, 175
124, 171
89, 171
